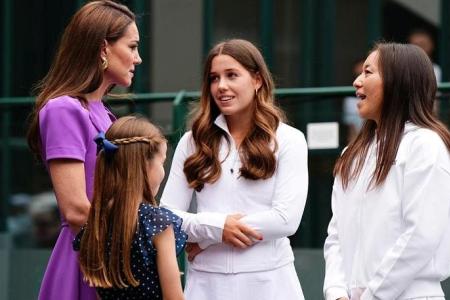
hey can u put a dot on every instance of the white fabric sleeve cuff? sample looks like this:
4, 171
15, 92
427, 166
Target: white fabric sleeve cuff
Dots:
206, 228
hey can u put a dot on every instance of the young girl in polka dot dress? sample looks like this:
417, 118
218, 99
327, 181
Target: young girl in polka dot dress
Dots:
129, 245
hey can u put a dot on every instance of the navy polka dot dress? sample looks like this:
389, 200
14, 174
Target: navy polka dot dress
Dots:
152, 221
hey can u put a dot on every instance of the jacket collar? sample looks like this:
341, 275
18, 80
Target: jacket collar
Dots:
221, 122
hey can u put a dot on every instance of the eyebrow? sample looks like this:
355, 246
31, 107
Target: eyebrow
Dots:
227, 70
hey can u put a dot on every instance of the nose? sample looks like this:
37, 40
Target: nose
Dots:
222, 85
358, 82
137, 59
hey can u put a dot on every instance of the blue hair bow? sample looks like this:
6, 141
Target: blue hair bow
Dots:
103, 144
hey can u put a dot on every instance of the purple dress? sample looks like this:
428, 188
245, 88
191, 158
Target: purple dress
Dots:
67, 131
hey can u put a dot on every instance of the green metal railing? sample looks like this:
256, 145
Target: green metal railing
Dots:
179, 109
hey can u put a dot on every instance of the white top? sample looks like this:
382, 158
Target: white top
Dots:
273, 207
393, 241
437, 73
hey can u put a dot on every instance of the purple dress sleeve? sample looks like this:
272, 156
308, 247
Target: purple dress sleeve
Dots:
64, 127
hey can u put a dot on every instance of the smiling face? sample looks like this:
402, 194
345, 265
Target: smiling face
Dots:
233, 87
369, 89
122, 57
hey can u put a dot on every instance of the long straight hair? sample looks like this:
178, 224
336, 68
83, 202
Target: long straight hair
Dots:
409, 91
121, 184
257, 156
77, 67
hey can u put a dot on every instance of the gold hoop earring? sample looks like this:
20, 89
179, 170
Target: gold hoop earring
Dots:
104, 63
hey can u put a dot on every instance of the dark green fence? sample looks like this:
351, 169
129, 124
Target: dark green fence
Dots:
20, 174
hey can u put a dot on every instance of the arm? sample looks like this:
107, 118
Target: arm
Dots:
64, 129
425, 210
235, 233
68, 181
289, 198
334, 286
204, 228
166, 261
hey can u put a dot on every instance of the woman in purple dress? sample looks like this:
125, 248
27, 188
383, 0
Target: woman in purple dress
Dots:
99, 49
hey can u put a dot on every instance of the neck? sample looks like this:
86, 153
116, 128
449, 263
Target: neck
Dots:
98, 93
238, 128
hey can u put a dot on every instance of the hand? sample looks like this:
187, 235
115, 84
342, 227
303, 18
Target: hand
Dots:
192, 249
237, 234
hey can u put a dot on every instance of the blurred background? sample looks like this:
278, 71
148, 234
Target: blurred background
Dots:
314, 48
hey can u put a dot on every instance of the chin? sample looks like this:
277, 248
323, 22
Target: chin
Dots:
361, 114
126, 84
227, 112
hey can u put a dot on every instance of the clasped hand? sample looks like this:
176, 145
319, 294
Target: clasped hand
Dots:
235, 233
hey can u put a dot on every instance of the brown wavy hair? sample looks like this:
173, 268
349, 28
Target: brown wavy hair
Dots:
258, 147
77, 67
409, 93
121, 184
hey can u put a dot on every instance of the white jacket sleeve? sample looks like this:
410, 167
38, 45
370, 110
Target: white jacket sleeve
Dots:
291, 188
335, 285
425, 211
204, 228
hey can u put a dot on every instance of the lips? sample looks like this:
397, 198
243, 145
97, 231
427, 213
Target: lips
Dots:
225, 98
360, 96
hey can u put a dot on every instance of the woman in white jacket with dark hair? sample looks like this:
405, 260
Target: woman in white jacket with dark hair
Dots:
389, 237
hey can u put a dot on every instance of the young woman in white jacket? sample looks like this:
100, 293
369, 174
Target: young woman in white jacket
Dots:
389, 237
248, 171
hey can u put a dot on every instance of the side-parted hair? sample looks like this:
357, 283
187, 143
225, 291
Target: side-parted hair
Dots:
409, 92
258, 147
77, 67
121, 183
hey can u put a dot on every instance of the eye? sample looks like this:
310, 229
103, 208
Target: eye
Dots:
213, 78
367, 72
232, 75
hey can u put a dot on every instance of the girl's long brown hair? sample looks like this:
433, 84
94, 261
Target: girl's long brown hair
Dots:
121, 184
257, 156
409, 91
77, 67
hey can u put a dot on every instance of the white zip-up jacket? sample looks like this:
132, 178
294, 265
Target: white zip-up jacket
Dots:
273, 207
393, 241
